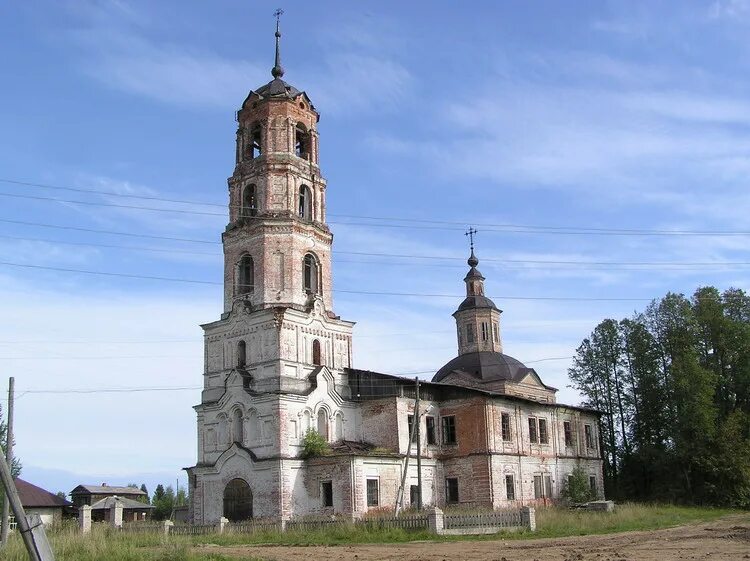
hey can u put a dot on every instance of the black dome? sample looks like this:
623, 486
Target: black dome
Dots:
471, 302
484, 366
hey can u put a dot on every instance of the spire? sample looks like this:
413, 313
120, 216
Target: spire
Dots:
277, 71
472, 261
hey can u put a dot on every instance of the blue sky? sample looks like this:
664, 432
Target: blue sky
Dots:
596, 115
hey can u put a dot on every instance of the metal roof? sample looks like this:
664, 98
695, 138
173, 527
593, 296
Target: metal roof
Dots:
33, 496
106, 490
476, 301
108, 502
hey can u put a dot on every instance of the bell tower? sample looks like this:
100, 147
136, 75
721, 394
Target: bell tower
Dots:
277, 246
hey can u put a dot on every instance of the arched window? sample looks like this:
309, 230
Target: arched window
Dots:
304, 208
245, 275
249, 202
316, 358
301, 141
323, 423
241, 354
237, 428
254, 149
311, 274
306, 421
338, 426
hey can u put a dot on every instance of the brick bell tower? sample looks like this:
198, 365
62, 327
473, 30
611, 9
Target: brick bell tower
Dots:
278, 337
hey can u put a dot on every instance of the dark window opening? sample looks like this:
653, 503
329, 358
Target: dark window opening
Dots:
496, 332
311, 274
451, 490
410, 425
301, 141
505, 426
372, 492
485, 332
316, 354
305, 203
592, 484
533, 436
326, 492
568, 430
449, 430
431, 430
246, 277
414, 495
249, 202
510, 488
241, 354
538, 492
255, 149
238, 426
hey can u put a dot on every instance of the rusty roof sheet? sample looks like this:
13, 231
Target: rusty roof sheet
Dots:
33, 496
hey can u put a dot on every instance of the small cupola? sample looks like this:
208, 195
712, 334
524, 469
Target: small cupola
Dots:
477, 317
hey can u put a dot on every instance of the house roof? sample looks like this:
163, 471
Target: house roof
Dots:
33, 496
108, 502
106, 490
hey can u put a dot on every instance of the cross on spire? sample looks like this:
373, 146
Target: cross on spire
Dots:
471, 232
277, 71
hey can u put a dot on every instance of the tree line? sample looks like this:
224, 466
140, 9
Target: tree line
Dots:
164, 500
673, 385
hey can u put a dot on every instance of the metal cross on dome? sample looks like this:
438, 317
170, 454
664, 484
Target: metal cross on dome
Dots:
471, 232
277, 14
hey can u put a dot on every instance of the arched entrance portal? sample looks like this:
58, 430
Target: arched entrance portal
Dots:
238, 501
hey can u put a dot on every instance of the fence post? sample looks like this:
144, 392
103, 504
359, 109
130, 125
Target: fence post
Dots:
84, 519
167, 526
115, 513
435, 520
222, 522
528, 518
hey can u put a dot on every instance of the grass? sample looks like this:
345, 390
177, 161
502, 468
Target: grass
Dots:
105, 544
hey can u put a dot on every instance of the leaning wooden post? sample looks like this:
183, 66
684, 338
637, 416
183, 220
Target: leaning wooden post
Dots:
33, 534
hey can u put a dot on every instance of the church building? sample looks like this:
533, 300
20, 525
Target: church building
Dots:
278, 364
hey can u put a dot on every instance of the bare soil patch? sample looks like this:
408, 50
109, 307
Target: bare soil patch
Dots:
726, 539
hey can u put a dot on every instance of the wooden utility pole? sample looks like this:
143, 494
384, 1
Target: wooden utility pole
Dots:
4, 517
33, 534
412, 437
419, 450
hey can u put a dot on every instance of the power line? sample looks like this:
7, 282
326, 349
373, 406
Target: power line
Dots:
364, 292
671, 265
109, 232
493, 227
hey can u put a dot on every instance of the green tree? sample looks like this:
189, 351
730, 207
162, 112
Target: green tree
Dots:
164, 502
145, 490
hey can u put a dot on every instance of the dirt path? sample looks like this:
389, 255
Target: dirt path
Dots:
727, 539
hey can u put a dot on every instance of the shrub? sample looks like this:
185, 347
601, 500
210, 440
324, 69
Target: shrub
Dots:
314, 444
577, 488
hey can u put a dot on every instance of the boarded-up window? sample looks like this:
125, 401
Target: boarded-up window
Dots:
505, 426
373, 492
533, 436
469, 332
538, 487
589, 436
543, 436
316, 358
568, 430
592, 484
548, 486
